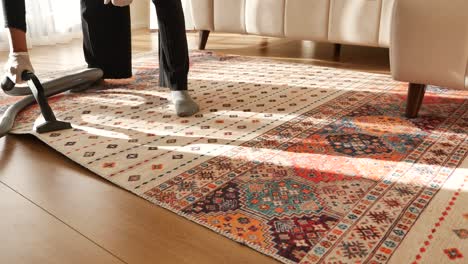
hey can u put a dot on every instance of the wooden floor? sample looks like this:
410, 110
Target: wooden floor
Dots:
54, 211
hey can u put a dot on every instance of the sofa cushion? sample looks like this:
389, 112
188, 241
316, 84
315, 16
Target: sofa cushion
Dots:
306, 19
265, 17
229, 16
355, 21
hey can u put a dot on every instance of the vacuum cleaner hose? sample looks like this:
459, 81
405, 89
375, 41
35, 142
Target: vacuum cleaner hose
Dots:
78, 79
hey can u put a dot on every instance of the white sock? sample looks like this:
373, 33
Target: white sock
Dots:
184, 104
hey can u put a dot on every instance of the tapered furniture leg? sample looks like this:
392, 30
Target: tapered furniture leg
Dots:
337, 51
203, 38
415, 99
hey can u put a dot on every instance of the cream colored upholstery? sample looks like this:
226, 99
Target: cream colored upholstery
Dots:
428, 39
430, 42
360, 22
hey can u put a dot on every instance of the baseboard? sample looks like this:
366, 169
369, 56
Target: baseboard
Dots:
140, 25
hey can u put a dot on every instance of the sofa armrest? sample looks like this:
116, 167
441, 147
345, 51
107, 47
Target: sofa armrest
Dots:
202, 14
429, 42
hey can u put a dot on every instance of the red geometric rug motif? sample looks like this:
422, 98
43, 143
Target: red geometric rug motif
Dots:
305, 164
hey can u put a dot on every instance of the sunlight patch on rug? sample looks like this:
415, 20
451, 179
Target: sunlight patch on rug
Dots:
305, 164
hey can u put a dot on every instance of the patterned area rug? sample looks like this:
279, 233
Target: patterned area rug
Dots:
305, 164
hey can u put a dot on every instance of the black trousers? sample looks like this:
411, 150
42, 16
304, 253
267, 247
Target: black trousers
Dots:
173, 50
106, 34
14, 12
107, 40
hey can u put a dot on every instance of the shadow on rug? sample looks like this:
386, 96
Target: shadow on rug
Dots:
302, 163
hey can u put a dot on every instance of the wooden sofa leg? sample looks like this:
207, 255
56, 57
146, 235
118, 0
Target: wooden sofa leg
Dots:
337, 51
203, 38
415, 99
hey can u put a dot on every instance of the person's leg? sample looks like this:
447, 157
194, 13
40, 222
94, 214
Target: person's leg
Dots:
163, 72
14, 13
173, 55
107, 38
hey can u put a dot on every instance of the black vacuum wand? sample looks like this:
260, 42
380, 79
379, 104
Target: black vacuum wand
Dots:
51, 123
35, 91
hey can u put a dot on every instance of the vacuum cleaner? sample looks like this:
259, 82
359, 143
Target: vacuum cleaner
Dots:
35, 91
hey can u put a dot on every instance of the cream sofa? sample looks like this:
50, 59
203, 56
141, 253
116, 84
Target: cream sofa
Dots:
429, 45
428, 39
360, 22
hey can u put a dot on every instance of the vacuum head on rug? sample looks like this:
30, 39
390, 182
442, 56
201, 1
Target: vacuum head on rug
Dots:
39, 93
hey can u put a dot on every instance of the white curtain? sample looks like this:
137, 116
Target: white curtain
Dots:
49, 22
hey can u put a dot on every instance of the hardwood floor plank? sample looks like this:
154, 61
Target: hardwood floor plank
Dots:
30, 235
126, 225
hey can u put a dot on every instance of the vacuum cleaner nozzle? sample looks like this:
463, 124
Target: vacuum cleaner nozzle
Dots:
35, 91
